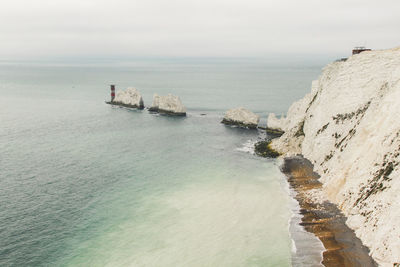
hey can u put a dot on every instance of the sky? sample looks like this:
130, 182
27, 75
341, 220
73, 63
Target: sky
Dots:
45, 29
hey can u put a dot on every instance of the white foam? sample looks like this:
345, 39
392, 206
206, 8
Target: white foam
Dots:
248, 147
307, 249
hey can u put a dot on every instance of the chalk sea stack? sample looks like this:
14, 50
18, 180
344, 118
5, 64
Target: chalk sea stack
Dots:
130, 98
168, 105
241, 117
155, 104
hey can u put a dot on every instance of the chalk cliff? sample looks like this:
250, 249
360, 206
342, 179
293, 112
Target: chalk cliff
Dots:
348, 126
169, 104
130, 98
241, 117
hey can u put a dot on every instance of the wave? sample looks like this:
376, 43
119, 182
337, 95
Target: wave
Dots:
247, 147
307, 249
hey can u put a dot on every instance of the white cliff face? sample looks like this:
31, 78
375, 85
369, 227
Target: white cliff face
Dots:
169, 104
349, 127
241, 116
130, 97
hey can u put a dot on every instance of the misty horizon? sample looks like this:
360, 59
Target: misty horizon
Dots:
49, 30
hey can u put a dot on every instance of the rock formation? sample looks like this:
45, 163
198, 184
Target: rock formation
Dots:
241, 117
155, 104
129, 98
349, 128
169, 105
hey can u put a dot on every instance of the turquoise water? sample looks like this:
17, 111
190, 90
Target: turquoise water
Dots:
86, 184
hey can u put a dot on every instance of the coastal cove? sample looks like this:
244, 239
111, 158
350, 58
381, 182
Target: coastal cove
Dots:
128, 187
199, 133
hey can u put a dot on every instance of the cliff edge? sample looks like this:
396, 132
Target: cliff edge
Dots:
348, 126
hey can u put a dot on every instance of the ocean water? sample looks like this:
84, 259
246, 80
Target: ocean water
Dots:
86, 184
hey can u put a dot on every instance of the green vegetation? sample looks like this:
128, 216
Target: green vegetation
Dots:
263, 149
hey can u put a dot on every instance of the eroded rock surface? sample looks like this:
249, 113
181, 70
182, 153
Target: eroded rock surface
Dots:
129, 98
169, 104
241, 117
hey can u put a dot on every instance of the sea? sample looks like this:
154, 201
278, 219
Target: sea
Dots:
83, 183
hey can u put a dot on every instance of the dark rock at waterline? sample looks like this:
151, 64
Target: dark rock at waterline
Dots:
153, 109
238, 123
114, 103
263, 149
171, 113
241, 117
166, 112
274, 133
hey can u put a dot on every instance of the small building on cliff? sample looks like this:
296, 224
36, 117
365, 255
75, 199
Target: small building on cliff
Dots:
359, 49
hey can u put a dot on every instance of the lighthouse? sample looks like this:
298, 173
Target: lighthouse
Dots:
112, 92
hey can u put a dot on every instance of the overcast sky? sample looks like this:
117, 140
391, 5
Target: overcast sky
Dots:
32, 29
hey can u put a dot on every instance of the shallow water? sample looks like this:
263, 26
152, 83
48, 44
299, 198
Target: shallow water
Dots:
86, 184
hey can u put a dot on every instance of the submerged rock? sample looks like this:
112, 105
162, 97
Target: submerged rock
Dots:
241, 117
170, 105
129, 98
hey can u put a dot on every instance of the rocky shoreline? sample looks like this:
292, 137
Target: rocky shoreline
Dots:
324, 220
348, 127
321, 218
